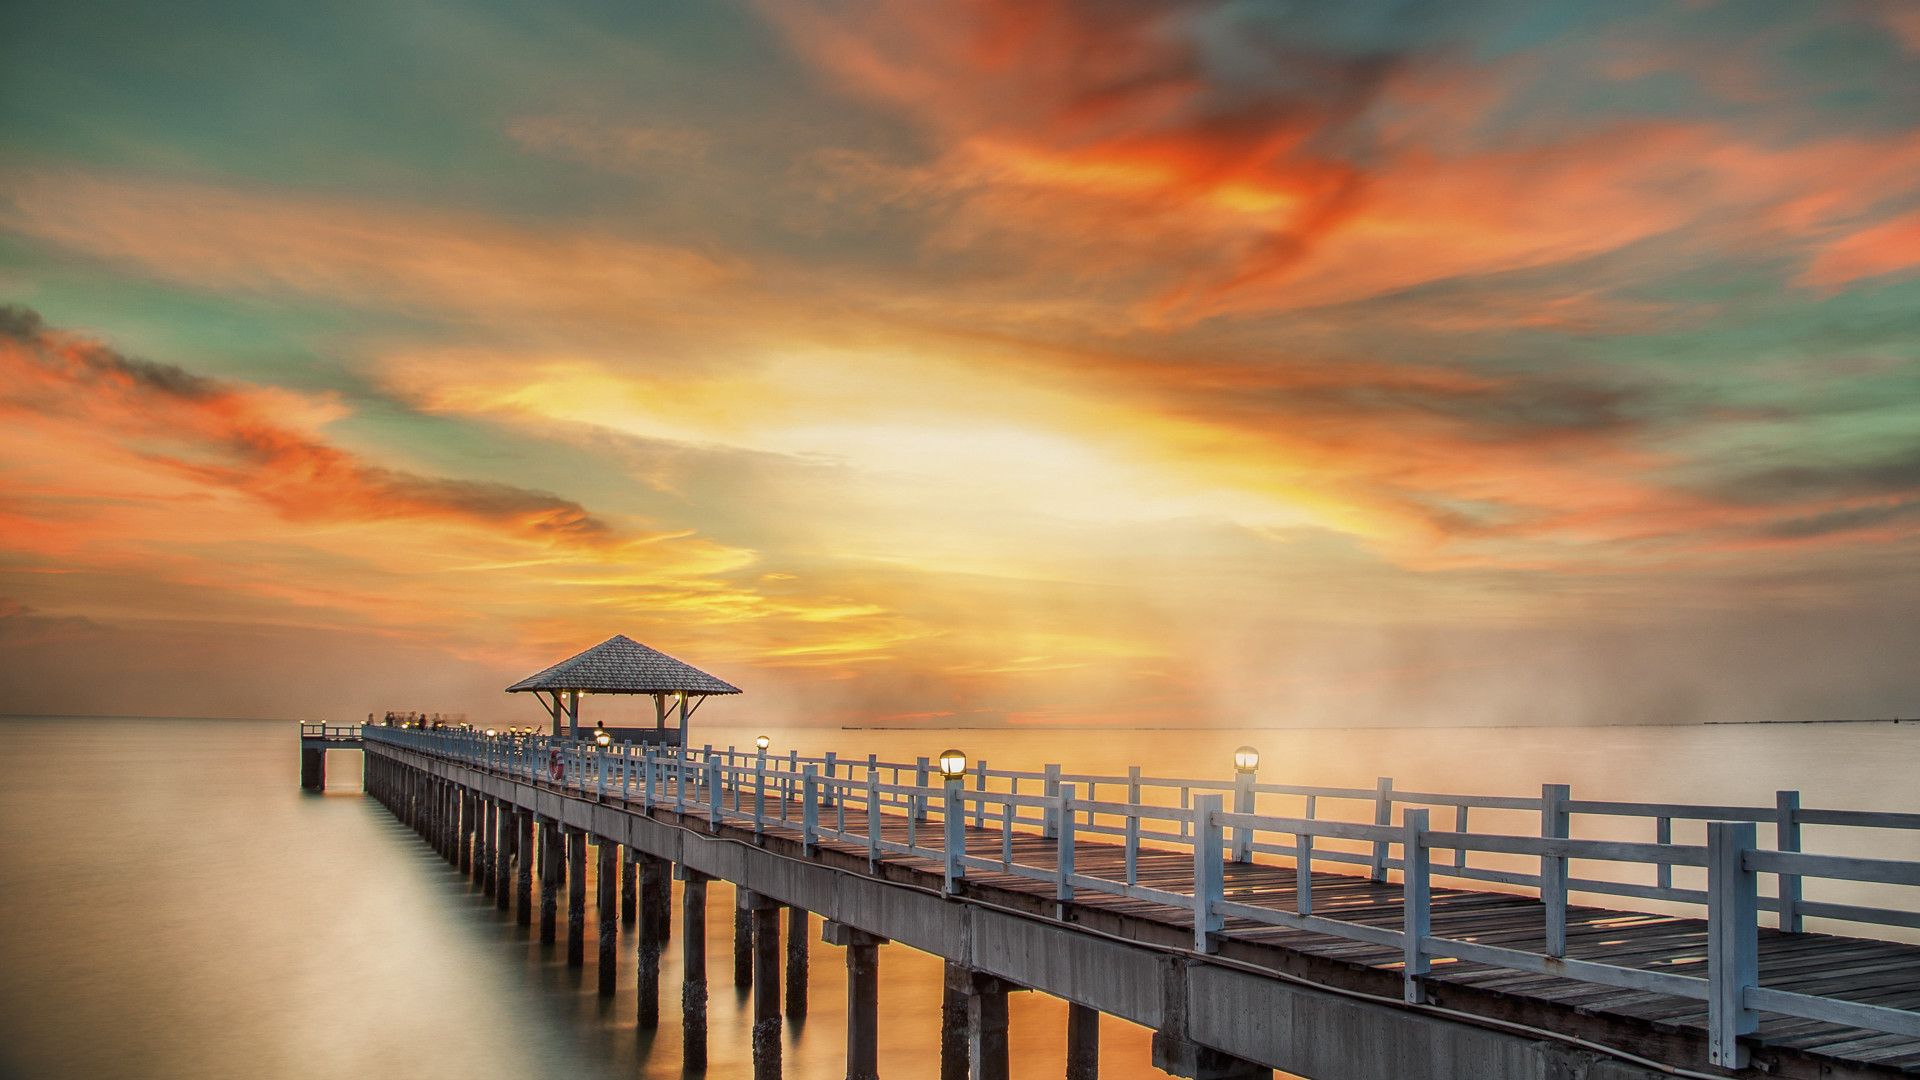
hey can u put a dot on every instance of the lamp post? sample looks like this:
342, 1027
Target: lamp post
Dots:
760, 743
1246, 762
953, 770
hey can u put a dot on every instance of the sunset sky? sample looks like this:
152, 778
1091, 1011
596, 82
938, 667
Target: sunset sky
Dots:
993, 362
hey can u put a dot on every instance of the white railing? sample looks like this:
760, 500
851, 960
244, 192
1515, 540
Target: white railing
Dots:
328, 731
770, 791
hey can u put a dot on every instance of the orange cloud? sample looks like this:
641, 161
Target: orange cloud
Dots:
1108, 146
1891, 247
240, 439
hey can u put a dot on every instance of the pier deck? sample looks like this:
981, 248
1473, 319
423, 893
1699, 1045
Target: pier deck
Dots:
1636, 983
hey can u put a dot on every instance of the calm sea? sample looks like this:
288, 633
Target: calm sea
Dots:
172, 906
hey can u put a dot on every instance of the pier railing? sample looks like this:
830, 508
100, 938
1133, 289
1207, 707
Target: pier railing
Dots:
836, 800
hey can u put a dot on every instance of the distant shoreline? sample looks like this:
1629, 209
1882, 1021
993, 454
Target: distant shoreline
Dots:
1370, 727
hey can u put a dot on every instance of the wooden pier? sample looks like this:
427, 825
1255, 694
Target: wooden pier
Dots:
1158, 904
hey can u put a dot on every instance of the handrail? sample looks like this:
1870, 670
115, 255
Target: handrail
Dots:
732, 786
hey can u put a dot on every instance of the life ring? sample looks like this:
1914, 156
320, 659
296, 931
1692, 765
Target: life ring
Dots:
556, 766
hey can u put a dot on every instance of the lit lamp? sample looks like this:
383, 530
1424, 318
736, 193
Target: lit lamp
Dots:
763, 742
600, 736
953, 764
491, 733
1245, 760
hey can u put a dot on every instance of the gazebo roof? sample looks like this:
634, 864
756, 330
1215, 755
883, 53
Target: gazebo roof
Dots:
621, 665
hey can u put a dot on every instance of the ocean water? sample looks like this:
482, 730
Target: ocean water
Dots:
171, 905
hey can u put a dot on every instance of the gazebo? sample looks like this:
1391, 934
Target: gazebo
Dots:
621, 665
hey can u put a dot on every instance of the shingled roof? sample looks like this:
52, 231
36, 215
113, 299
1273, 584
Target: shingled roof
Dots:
621, 665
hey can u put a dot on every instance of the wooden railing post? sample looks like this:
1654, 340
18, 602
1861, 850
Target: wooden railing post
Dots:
1303, 870
1553, 868
810, 809
1243, 804
1063, 888
1050, 825
1209, 882
714, 797
956, 834
1416, 904
1786, 833
917, 806
828, 772
760, 794
873, 815
1733, 941
1382, 815
980, 785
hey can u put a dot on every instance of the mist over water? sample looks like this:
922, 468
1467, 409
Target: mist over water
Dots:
175, 907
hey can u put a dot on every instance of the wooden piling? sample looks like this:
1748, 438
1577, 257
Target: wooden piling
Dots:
693, 986
797, 939
742, 947
653, 874
467, 799
576, 898
987, 1029
605, 901
489, 832
1083, 1042
766, 991
503, 857
313, 769
523, 844
863, 998
549, 879
953, 1022
628, 901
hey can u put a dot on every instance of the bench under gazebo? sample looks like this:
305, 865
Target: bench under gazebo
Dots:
621, 665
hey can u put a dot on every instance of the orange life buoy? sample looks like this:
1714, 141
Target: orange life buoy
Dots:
556, 767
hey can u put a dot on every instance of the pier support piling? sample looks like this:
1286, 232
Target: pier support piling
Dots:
1083, 1042
797, 939
655, 903
503, 856
523, 844
605, 901
953, 1023
576, 898
549, 879
628, 901
466, 833
313, 769
863, 998
987, 1028
489, 846
766, 985
742, 947
693, 967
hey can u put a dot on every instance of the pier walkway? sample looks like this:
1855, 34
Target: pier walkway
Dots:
1176, 904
